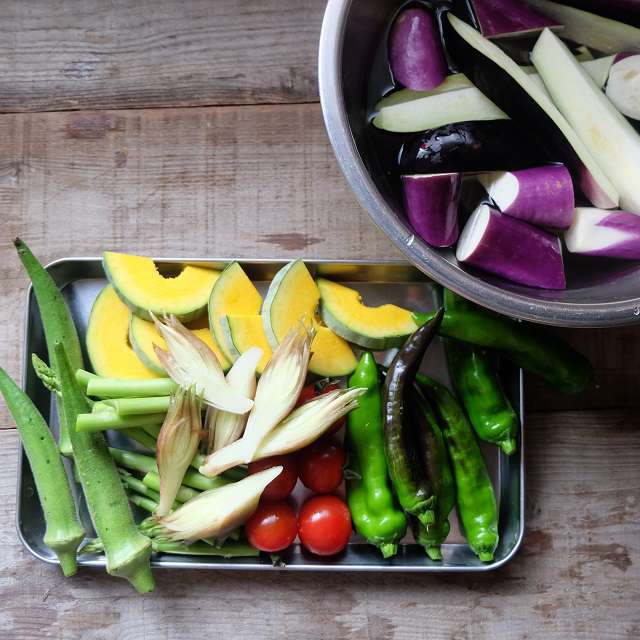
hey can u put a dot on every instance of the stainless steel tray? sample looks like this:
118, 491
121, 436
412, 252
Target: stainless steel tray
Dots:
397, 282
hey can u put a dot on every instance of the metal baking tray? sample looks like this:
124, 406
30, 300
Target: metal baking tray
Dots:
396, 282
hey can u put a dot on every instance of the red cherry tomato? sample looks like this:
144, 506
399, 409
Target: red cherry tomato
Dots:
320, 465
324, 525
308, 393
272, 527
280, 487
338, 424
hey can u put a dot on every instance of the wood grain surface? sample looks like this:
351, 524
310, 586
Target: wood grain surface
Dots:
82, 170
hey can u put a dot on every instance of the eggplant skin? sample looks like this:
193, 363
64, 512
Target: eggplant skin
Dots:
496, 145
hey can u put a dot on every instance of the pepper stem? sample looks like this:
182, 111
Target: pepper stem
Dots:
388, 549
508, 446
434, 552
427, 517
485, 556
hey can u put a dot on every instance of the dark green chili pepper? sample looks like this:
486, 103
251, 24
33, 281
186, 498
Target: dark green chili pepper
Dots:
474, 492
436, 463
541, 353
410, 483
476, 382
371, 502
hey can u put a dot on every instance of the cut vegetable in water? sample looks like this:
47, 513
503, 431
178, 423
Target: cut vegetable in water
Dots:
302, 427
470, 147
415, 54
190, 362
603, 130
597, 232
507, 18
455, 100
623, 86
542, 196
177, 444
215, 513
431, 203
529, 106
602, 34
242, 377
512, 249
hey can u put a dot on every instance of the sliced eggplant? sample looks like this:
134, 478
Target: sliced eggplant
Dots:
506, 18
470, 147
598, 232
513, 90
415, 51
542, 196
623, 87
431, 203
512, 249
604, 131
597, 32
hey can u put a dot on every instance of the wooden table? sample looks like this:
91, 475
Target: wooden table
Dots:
192, 128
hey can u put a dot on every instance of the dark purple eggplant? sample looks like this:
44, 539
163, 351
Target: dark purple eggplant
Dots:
471, 146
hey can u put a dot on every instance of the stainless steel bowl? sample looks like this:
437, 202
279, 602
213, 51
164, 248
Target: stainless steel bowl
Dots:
600, 292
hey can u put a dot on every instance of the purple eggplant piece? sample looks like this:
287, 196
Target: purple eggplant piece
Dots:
505, 18
601, 232
431, 203
415, 52
542, 196
512, 249
623, 85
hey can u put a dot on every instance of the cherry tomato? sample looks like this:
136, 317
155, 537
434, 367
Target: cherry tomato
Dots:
280, 487
272, 526
308, 393
324, 525
338, 424
320, 465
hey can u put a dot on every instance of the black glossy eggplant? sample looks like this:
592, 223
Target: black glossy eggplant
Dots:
470, 146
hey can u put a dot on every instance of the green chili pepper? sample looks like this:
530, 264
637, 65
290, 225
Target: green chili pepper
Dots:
369, 494
436, 462
476, 382
543, 354
409, 481
474, 492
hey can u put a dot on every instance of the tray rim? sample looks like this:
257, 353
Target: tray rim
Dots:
95, 562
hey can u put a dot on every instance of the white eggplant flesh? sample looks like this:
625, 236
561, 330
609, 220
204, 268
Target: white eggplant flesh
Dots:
623, 87
606, 133
602, 232
512, 249
542, 196
601, 34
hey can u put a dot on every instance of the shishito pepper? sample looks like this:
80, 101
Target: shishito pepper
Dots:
371, 502
476, 382
474, 492
412, 486
436, 463
538, 352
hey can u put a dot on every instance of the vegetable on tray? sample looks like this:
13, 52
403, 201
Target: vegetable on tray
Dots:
598, 232
604, 131
542, 196
374, 511
272, 526
623, 85
507, 18
597, 32
414, 490
529, 106
475, 498
513, 249
431, 203
415, 53
324, 525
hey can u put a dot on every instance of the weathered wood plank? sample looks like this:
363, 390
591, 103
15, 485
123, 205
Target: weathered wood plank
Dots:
577, 575
88, 54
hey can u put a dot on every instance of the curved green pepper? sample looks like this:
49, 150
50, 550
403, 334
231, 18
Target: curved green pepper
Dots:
543, 354
436, 462
476, 382
474, 492
410, 483
369, 494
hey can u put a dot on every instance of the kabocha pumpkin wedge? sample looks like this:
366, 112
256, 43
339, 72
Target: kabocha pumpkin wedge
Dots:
145, 290
292, 298
381, 327
144, 334
233, 294
246, 332
107, 341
